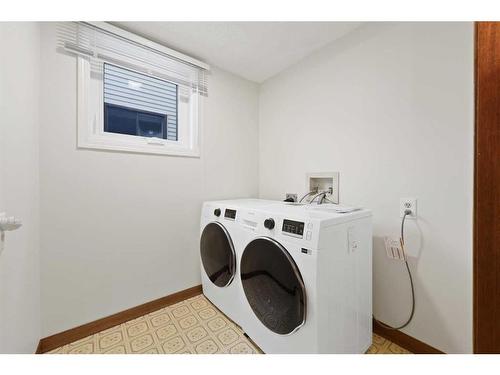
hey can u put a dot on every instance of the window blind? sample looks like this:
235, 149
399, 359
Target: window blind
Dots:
100, 46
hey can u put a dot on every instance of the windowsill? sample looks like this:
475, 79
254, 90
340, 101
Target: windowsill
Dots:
139, 145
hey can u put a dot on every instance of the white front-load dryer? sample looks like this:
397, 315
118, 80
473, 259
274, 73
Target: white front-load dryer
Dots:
218, 243
306, 278
223, 235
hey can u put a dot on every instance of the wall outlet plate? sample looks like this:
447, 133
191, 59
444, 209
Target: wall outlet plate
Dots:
408, 204
292, 196
394, 248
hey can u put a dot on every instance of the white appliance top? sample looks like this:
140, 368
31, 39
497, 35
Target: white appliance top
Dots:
326, 213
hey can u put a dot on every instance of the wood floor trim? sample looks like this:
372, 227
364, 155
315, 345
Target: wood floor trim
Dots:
59, 339
405, 341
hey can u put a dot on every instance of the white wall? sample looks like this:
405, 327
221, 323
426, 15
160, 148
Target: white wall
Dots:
389, 106
121, 229
19, 262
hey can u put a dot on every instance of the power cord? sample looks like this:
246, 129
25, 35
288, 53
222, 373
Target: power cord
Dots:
406, 213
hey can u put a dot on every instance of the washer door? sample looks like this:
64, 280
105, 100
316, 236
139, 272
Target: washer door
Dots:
273, 286
217, 254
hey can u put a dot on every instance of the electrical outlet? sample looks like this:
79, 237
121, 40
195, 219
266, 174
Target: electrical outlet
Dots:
292, 196
408, 204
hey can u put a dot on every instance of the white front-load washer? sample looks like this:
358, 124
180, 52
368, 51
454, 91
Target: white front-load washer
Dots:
223, 236
306, 276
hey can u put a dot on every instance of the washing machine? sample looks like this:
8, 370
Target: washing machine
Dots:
223, 235
306, 277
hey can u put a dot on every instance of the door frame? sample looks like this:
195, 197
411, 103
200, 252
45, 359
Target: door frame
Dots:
486, 246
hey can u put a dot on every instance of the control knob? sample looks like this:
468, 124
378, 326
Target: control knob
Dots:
269, 223
217, 212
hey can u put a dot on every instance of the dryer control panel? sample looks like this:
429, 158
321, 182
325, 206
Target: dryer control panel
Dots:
294, 228
230, 214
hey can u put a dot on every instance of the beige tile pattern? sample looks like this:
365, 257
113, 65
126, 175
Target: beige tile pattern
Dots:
189, 327
384, 346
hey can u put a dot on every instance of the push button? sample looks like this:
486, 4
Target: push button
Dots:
308, 235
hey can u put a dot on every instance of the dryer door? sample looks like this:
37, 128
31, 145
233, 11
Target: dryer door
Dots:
273, 286
217, 254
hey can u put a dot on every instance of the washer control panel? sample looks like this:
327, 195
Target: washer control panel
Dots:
293, 228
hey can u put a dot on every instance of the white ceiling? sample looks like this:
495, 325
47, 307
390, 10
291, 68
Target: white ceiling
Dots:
253, 50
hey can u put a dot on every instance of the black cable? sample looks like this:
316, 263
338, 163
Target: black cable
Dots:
407, 212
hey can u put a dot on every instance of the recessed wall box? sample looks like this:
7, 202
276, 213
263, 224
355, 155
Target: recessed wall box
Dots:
324, 181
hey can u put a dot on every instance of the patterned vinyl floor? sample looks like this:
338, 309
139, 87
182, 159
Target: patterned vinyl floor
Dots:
190, 326
384, 346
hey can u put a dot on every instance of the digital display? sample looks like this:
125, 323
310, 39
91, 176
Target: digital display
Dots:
293, 227
230, 214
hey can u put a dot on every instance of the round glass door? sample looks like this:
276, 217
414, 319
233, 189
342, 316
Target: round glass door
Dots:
217, 254
273, 286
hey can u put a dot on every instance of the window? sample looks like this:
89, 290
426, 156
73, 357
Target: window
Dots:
123, 120
134, 95
136, 104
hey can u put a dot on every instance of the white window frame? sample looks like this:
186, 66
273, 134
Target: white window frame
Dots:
91, 134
